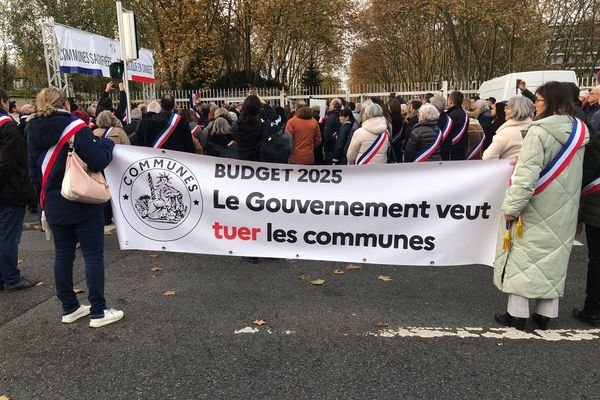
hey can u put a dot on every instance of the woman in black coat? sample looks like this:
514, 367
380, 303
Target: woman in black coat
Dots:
424, 141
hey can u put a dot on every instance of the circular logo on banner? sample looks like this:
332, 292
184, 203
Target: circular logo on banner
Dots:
160, 199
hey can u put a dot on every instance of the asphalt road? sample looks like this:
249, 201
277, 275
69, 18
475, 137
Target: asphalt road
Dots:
438, 339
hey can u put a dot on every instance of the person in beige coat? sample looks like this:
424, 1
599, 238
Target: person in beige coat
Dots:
507, 141
368, 135
110, 125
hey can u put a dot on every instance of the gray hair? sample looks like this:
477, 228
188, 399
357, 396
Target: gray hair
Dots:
91, 110
372, 111
106, 119
220, 127
439, 103
233, 116
481, 104
521, 107
154, 107
429, 112
136, 113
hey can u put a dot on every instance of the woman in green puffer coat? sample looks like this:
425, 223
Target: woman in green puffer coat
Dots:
534, 266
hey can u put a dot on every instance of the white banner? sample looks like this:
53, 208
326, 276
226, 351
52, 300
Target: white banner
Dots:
434, 213
86, 53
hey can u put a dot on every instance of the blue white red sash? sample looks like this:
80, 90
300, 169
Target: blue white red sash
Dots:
166, 133
4, 119
52, 153
447, 128
398, 135
592, 187
106, 132
195, 130
373, 149
429, 152
322, 120
477, 149
563, 158
460, 134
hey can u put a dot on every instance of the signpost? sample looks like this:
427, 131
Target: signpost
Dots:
129, 48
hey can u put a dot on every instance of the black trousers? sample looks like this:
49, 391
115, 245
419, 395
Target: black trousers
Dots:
592, 300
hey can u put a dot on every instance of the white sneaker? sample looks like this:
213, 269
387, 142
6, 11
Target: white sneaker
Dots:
111, 315
82, 311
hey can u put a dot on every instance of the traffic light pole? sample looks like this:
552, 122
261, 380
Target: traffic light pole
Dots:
125, 61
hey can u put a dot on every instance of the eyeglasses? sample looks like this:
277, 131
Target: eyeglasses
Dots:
538, 100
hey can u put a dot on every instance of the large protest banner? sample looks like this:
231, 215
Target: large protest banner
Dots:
86, 53
435, 213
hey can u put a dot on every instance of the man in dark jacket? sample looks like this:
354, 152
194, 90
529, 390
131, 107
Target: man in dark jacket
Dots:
590, 215
105, 102
332, 127
15, 194
155, 131
455, 145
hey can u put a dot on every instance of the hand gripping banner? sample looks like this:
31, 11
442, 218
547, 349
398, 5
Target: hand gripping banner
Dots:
403, 214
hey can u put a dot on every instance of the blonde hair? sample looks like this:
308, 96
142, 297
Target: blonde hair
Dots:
48, 100
221, 112
106, 119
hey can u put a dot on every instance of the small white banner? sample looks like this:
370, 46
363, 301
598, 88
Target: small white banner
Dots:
82, 52
434, 213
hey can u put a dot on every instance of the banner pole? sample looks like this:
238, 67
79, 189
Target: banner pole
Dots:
125, 74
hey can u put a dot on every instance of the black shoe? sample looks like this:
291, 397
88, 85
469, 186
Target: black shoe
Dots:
251, 260
583, 316
508, 320
541, 321
21, 285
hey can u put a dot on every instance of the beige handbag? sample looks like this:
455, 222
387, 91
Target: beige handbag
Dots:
79, 184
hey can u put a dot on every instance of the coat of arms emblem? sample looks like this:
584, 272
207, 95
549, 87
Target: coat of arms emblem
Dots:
163, 204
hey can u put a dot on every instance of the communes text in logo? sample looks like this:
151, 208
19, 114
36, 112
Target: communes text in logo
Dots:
160, 199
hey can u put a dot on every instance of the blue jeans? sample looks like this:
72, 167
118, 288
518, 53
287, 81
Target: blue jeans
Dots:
90, 235
11, 227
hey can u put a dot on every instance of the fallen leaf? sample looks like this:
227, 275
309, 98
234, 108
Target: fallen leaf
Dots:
381, 324
303, 277
318, 282
169, 293
259, 322
109, 233
37, 227
338, 272
78, 290
40, 284
19, 261
350, 267
153, 255
4, 397
384, 278
155, 269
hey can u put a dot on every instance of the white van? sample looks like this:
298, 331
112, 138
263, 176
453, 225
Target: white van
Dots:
504, 87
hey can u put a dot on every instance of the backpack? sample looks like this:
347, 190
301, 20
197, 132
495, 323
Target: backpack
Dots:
276, 147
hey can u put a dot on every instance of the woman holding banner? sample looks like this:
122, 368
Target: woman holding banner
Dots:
540, 211
71, 222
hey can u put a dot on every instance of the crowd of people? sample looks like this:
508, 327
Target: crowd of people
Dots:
542, 133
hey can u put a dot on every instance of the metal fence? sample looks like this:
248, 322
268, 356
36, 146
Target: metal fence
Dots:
284, 96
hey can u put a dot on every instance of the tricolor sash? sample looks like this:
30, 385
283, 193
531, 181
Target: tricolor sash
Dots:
322, 120
195, 130
52, 153
4, 119
460, 134
166, 133
106, 132
398, 135
592, 187
477, 149
429, 152
447, 127
373, 149
560, 162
